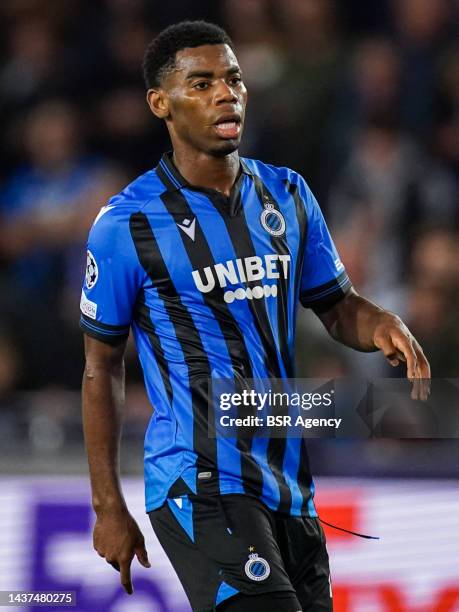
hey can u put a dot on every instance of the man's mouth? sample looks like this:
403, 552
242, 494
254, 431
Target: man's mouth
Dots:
228, 127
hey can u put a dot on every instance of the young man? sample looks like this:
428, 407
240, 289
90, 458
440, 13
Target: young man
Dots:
205, 258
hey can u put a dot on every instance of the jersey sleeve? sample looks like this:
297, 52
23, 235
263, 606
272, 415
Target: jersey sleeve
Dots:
112, 280
324, 280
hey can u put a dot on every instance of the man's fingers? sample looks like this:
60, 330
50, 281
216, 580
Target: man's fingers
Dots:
416, 392
423, 364
400, 347
398, 344
395, 358
390, 352
424, 372
125, 576
114, 564
142, 555
404, 345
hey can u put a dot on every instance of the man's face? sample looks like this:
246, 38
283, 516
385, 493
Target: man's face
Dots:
206, 99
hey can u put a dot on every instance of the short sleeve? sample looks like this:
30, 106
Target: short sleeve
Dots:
324, 280
112, 280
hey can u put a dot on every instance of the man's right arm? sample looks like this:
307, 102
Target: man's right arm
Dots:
117, 536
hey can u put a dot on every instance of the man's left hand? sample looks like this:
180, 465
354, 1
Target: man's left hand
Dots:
397, 343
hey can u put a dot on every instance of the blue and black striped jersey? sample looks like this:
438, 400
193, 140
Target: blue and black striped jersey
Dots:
210, 285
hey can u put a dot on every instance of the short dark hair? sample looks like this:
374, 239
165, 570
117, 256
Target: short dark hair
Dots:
160, 55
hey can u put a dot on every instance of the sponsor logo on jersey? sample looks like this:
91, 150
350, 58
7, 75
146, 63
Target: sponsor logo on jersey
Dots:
87, 307
188, 226
240, 271
272, 220
257, 568
92, 271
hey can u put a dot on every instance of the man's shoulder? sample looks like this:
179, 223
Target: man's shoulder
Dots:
130, 200
139, 192
268, 172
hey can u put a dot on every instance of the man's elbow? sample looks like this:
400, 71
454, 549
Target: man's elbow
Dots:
95, 366
102, 357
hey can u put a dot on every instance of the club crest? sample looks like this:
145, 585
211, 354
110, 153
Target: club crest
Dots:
272, 219
257, 568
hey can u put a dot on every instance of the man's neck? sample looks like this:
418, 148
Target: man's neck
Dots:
202, 170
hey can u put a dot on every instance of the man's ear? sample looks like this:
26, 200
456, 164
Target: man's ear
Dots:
158, 102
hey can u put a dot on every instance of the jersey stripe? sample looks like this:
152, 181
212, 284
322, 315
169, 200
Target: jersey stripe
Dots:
152, 261
244, 247
297, 449
283, 453
279, 245
219, 241
304, 478
326, 294
277, 446
200, 256
302, 220
144, 320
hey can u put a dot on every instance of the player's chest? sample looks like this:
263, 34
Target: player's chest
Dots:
209, 254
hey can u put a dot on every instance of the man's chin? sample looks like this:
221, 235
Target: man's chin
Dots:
226, 147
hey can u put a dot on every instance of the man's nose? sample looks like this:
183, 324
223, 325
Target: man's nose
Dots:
225, 93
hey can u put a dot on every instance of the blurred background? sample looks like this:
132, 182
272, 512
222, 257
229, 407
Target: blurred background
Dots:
362, 98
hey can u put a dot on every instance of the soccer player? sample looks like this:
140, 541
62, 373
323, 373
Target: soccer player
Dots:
205, 257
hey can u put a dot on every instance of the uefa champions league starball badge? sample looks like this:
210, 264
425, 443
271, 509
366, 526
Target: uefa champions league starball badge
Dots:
92, 272
272, 219
257, 568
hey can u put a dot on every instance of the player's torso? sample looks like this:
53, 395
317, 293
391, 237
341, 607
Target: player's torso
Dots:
230, 266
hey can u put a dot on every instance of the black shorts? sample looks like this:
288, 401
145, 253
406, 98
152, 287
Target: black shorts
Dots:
224, 545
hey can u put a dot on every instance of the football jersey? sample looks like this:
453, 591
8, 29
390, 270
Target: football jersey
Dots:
210, 285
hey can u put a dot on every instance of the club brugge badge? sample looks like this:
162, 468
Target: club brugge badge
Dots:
271, 219
257, 568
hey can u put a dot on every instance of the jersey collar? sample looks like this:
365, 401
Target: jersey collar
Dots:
173, 180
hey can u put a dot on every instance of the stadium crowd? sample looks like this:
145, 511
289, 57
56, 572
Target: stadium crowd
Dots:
362, 98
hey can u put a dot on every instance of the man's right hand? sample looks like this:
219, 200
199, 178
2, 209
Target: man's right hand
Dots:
118, 539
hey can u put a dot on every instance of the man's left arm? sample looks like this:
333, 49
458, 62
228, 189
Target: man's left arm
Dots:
364, 326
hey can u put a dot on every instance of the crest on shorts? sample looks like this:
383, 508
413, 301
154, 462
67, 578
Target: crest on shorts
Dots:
272, 219
257, 568
92, 272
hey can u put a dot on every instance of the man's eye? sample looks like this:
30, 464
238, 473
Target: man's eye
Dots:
236, 80
201, 85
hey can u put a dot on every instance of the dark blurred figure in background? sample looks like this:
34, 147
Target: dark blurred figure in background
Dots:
292, 111
423, 30
433, 295
46, 207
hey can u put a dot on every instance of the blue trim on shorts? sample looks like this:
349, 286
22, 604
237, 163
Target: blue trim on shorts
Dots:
225, 591
182, 509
